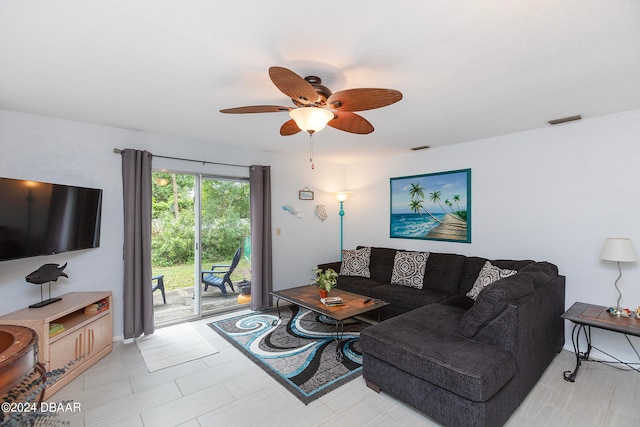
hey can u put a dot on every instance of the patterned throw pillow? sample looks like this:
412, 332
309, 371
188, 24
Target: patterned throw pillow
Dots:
488, 275
408, 268
355, 262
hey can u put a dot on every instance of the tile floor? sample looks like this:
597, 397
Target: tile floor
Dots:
226, 389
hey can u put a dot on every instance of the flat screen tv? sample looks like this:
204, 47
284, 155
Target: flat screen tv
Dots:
38, 218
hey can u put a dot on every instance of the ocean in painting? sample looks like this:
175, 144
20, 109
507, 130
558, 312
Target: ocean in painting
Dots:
412, 225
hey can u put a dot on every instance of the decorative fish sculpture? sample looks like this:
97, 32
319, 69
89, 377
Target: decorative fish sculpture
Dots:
47, 273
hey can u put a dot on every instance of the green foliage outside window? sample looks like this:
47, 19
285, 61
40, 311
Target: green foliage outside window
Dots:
225, 219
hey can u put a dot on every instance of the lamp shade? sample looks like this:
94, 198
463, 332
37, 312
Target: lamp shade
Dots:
618, 249
342, 195
311, 119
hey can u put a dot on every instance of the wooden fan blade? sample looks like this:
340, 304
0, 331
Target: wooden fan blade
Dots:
350, 122
255, 109
292, 85
363, 99
289, 128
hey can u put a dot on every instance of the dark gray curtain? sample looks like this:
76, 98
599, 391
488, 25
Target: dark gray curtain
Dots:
138, 296
261, 257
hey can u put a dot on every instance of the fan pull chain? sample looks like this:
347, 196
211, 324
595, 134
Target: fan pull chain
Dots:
311, 151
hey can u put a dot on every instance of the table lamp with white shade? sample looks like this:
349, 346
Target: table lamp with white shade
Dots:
618, 250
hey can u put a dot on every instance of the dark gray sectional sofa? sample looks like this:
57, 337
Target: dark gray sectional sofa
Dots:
461, 362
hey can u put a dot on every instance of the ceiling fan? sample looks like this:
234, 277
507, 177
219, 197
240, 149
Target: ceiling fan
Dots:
317, 106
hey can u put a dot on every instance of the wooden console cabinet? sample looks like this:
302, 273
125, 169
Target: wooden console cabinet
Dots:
87, 337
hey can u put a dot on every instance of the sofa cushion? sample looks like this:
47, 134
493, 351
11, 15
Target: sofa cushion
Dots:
443, 272
492, 301
460, 301
468, 368
540, 273
511, 264
408, 268
406, 297
355, 262
381, 264
359, 285
488, 275
470, 271
441, 316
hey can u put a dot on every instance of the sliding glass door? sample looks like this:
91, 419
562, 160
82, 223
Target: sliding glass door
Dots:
198, 224
225, 248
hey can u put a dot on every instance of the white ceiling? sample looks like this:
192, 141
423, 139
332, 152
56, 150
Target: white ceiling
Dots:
468, 69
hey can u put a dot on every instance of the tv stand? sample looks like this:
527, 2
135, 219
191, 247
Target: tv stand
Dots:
85, 336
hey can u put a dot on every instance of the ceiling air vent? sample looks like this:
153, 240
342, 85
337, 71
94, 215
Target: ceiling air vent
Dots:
422, 147
564, 120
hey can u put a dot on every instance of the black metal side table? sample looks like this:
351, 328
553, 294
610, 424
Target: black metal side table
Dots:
584, 316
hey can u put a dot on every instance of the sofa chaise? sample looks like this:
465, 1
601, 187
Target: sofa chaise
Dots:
463, 339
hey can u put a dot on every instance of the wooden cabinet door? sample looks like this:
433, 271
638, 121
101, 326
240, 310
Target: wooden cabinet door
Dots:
67, 349
98, 335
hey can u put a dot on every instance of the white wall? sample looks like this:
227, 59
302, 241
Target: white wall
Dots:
303, 242
67, 152
551, 194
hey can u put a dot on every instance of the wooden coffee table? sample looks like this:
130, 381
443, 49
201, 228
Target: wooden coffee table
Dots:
308, 297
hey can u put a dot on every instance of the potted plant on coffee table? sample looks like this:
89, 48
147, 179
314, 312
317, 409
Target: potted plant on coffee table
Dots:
326, 280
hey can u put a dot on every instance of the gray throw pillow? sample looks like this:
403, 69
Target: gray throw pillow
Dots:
488, 275
355, 262
408, 268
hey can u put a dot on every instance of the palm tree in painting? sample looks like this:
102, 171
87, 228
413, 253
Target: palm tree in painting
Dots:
435, 198
449, 205
462, 214
456, 198
416, 206
458, 213
417, 194
416, 191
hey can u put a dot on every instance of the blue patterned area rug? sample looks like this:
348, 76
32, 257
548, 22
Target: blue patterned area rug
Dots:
299, 352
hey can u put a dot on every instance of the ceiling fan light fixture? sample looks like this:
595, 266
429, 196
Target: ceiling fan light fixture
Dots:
311, 119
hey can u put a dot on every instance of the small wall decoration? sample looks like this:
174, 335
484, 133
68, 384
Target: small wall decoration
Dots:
321, 212
293, 211
305, 194
434, 206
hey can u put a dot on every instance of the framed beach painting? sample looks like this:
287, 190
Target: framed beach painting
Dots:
435, 206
